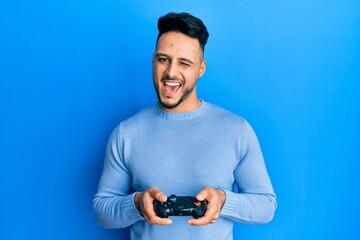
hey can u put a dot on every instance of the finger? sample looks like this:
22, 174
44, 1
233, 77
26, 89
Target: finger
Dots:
203, 194
152, 218
201, 221
161, 197
211, 215
158, 195
148, 207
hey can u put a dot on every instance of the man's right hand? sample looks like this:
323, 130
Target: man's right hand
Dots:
144, 202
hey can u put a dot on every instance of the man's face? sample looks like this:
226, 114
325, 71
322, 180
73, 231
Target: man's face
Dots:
177, 65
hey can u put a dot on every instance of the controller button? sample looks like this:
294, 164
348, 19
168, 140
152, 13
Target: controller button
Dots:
197, 203
172, 198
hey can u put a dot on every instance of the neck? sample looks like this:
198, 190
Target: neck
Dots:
186, 106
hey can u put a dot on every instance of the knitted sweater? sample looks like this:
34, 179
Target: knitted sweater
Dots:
181, 153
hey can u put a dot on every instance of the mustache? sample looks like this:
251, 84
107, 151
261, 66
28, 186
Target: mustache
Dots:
168, 78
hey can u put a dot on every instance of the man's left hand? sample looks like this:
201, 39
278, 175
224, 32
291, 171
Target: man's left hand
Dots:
215, 201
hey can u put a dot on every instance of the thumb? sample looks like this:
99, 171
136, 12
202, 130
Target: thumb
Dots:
202, 195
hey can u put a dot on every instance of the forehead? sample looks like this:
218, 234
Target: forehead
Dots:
177, 44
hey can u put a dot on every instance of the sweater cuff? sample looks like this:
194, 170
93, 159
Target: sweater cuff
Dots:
130, 208
231, 204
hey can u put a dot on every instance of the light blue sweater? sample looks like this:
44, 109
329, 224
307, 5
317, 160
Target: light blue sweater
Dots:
181, 153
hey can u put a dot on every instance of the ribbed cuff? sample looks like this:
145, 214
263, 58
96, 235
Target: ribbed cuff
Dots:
231, 204
130, 208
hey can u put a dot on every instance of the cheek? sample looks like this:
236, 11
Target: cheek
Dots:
157, 70
155, 73
191, 76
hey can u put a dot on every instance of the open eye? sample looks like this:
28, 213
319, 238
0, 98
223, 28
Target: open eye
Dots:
163, 59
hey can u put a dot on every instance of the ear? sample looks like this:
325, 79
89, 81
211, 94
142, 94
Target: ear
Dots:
202, 68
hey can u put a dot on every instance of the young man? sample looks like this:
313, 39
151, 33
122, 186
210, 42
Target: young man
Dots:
183, 146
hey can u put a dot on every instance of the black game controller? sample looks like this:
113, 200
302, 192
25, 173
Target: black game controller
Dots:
180, 206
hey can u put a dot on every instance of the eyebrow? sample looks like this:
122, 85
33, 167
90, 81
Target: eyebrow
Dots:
186, 60
181, 59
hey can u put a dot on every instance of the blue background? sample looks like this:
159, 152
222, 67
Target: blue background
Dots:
70, 71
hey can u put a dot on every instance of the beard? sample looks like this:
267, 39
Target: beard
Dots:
185, 93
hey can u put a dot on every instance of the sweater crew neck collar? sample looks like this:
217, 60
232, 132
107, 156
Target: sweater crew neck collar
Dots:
181, 115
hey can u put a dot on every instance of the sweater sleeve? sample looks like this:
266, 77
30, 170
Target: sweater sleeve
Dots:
113, 205
255, 201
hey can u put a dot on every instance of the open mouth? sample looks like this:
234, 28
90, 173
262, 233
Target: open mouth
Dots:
171, 87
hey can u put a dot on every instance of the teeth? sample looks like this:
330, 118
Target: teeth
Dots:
172, 84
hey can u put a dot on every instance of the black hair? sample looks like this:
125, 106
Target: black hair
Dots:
184, 23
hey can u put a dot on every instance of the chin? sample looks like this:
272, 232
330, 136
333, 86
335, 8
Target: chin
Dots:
169, 105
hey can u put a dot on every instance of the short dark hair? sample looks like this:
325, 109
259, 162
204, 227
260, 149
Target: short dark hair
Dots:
184, 23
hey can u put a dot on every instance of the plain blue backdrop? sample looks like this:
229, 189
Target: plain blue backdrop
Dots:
71, 70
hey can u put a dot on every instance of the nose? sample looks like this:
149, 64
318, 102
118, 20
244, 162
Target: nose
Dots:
172, 70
